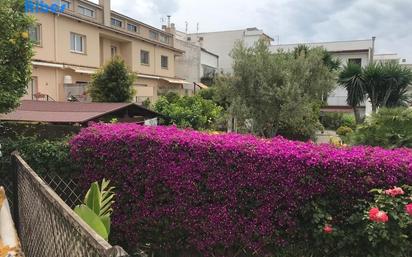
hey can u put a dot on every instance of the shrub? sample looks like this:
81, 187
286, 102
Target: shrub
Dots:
389, 128
334, 120
389, 225
348, 120
44, 156
181, 191
188, 112
344, 131
113, 83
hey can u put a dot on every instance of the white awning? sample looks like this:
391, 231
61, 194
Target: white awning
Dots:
47, 64
170, 80
147, 76
82, 69
176, 81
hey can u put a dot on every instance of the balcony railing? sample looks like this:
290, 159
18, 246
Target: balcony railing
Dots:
77, 92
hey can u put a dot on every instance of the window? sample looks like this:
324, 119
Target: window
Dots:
86, 11
67, 4
117, 23
77, 43
131, 27
35, 34
164, 39
153, 35
165, 62
357, 61
113, 50
144, 57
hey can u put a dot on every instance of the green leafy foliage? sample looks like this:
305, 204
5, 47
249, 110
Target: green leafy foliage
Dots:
334, 120
113, 83
188, 112
344, 131
93, 220
351, 79
44, 156
15, 53
389, 128
384, 83
97, 208
279, 91
391, 238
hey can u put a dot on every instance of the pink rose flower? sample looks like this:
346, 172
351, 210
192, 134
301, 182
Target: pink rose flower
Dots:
395, 191
408, 209
378, 216
328, 229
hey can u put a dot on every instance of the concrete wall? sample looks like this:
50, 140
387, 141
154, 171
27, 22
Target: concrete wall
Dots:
188, 65
221, 43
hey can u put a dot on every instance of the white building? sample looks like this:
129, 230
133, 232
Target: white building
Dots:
221, 43
355, 51
196, 63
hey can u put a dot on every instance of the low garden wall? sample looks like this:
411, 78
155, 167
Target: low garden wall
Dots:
181, 191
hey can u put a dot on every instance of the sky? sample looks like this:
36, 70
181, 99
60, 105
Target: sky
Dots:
290, 21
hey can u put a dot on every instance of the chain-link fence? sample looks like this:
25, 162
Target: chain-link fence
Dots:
47, 226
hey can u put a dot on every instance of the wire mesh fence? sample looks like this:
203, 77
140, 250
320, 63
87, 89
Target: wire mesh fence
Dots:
47, 226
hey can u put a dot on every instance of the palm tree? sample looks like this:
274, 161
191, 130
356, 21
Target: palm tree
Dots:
397, 78
374, 83
351, 79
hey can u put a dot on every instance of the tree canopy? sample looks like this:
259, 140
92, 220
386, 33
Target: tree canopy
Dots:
384, 83
188, 112
351, 79
15, 53
113, 83
280, 90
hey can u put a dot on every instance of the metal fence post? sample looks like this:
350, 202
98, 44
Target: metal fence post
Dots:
15, 190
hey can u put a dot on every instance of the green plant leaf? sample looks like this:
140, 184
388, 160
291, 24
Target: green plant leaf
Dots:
88, 216
106, 222
93, 198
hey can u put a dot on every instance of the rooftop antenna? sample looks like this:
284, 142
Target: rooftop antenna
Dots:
187, 26
197, 28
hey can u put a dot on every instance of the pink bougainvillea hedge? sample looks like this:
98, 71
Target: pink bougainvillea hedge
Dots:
186, 190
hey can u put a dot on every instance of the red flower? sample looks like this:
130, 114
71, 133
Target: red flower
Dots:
328, 229
372, 213
408, 209
395, 191
378, 216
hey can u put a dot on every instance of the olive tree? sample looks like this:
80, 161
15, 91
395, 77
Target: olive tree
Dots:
280, 90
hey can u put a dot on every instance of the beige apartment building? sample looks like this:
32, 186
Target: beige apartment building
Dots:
72, 45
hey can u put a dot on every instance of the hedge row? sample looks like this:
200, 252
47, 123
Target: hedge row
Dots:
180, 190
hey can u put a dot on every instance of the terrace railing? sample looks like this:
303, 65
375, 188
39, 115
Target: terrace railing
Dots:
46, 225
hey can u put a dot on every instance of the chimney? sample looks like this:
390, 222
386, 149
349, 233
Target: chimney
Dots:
171, 28
106, 12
